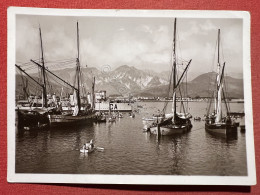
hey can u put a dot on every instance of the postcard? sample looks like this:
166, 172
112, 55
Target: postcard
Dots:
129, 97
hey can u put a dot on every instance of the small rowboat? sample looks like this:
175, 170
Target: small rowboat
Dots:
83, 150
111, 119
101, 119
132, 115
197, 118
88, 147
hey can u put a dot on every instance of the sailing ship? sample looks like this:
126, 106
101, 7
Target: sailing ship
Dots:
78, 115
173, 123
216, 122
33, 114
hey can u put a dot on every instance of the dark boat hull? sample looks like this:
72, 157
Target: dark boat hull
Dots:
167, 127
221, 128
170, 129
59, 119
242, 128
31, 120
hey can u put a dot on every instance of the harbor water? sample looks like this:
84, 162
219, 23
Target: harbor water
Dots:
129, 150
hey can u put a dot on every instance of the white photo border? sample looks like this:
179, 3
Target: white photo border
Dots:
250, 179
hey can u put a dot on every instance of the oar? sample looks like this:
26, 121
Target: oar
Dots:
99, 148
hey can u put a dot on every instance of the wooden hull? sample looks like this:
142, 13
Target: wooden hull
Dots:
31, 120
38, 109
221, 128
59, 119
147, 127
101, 120
87, 150
149, 122
170, 129
111, 120
243, 128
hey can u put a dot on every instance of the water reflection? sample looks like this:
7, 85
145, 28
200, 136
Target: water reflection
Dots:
224, 138
129, 150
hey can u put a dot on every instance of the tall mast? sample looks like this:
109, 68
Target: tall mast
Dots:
219, 86
78, 68
93, 94
218, 45
109, 108
219, 53
174, 66
43, 72
218, 72
174, 54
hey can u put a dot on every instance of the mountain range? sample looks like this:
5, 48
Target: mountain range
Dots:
126, 80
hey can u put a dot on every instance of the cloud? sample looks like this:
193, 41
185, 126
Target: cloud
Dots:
147, 45
207, 26
197, 28
143, 43
61, 45
27, 46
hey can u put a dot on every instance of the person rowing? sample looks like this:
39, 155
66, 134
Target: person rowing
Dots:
88, 147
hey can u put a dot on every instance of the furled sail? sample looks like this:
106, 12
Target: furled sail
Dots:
219, 98
76, 106
173, 106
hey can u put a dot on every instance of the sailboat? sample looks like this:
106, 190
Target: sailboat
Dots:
78, 114
34, 115
173, 123
216, 122
43, 106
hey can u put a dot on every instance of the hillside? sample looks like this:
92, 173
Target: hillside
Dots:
128, 79
201, 86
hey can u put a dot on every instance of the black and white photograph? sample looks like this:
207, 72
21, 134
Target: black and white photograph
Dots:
130, 97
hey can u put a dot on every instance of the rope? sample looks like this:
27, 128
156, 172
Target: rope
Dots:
210, 78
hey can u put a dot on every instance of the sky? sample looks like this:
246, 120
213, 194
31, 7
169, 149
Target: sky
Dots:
145, 43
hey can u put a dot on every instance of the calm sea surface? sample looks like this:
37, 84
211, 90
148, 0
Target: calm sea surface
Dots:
129, 150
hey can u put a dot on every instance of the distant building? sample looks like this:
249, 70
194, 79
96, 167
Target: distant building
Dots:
100, 96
